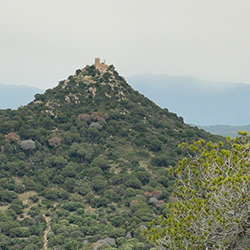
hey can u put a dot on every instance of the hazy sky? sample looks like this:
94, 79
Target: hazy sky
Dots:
45, 41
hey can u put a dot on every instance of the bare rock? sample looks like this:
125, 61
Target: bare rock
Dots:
143, 227
85, 243
67, 99
129, 235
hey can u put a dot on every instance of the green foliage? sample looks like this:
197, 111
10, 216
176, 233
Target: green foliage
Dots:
72, 206
98, 183
210, 207
101, 163
34, 198
17, 206
7, 196
129, 192
51, 194
161, 160
90, 156
143, 176
20, 232
156, 145
34, 211
133, 182
100, 202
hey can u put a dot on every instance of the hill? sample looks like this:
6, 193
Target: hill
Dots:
86, 164
12, 96
199, 101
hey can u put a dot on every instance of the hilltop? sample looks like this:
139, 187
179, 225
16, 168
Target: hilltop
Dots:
86, 164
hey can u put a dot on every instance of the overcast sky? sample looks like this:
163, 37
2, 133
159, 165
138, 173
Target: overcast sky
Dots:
45, 41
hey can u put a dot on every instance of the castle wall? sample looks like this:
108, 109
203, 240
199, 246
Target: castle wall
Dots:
97, 61
100, 65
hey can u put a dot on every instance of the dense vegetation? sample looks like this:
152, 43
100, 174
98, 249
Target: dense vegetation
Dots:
211, 202
86, 165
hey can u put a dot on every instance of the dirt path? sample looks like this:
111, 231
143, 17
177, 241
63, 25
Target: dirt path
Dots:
45, 237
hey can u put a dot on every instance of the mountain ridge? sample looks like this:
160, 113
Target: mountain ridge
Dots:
199, 101
226, 130
13, 96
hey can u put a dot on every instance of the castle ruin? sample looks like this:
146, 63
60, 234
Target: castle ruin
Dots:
100, 65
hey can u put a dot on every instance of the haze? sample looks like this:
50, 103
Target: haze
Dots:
43, 42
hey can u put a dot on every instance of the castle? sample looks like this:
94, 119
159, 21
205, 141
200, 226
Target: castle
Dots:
101, 66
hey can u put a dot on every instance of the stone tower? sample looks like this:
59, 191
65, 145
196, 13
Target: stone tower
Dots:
101, 66
97, 61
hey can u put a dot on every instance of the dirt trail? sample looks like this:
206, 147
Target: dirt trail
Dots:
45, 237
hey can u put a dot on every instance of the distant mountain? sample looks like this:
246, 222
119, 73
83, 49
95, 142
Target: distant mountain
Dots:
197, 101
226, 130
12, 96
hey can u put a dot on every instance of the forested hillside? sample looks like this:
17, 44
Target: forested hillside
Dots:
86, 165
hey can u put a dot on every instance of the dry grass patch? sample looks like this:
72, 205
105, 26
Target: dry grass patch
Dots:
3, 208
144, 164
18, 180
115, 168
24, 197
89, 209
24, 214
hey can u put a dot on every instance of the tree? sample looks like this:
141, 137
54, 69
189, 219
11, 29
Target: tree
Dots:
51, 194
85, 152
118, 221
17, 206
54, 141
69, 171
69, 184
7, 196
11, 137
156, 145
211, 204
143, 176
60, 161
133, 182
93, 132
98, 183
28, 145
72, 206
101, 163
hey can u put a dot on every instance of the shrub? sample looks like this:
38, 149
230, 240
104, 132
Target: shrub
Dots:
155, 145
72, 206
